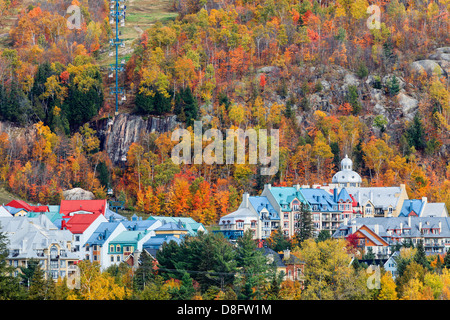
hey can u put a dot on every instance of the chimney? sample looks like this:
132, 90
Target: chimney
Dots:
245, 199
296, 186
409, 221
424, 203
287, 254
420, 226
335, 194
269, 186
377, 229
440, 227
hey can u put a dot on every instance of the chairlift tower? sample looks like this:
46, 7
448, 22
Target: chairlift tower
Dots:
117, 15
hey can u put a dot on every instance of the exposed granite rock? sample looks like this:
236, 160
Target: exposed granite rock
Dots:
78, 194
116, 135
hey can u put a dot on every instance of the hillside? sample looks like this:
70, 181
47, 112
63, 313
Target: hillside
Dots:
314, 70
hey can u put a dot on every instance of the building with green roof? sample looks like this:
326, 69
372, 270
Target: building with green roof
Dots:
287, 202
193, 227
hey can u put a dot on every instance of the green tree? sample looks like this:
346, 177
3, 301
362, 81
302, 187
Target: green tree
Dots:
447, 259
352, 98
253, 267
323, 235
41, 288
155, 289
415, 133
155, 103
393, 86
186, 290
420, 257
10, 289
278, 241
306, 226
145, 273
186, 106
208, 257
28, 272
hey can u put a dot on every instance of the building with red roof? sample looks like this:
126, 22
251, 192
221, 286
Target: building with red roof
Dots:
71, 207
82, 227
20, 204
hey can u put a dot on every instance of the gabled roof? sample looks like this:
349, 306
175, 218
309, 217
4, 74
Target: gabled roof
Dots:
129, 237
285, 195
157, 241
171, 226
413, 205
344, 196
190, 224
80, 222
380, 197
4, 212
14, 210
372, 236
261, 202
102, 233
93, 206
20, 204
319, 197
138, 225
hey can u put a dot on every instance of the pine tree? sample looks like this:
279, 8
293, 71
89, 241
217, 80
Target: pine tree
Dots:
447, 260
252, 264
420, 257
10, 288
416, 133
393, 86
41, 288
145, 272
186, 290
306, 226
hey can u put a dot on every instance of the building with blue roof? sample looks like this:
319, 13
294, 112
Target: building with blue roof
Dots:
155, 243
98, 243
287, 201
255, 213
193, 227
324, 209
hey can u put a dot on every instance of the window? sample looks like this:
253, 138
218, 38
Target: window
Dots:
62, 263
77, 238
62, 273
253, 224
118, 248
286, 216
266, 224
368, 210
118, 258
240, 225
286, 224
111, 248
112, 258
53, 252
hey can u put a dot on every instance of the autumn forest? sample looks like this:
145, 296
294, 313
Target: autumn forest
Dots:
312, 69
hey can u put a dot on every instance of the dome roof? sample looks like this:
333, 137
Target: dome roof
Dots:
346, 163
346, 175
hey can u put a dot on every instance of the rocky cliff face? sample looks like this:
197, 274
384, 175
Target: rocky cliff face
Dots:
117, 134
